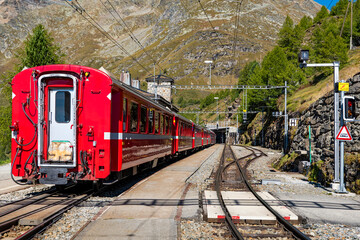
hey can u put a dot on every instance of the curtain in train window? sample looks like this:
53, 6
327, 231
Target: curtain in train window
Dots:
166, 119
124, 114
156, 123
170, 126
151, 121
134, 117
143, 119
161, 124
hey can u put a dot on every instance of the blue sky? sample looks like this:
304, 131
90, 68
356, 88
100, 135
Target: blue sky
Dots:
327, 2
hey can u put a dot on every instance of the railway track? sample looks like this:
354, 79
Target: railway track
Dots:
231, 175
25, 218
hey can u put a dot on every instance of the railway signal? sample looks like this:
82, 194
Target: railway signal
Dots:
349, 108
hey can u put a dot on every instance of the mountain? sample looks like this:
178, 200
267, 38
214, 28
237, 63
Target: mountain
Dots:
176, 34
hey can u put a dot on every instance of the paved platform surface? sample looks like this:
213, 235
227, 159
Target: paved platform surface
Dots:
244, 207
324, 208
150, 209
6, 183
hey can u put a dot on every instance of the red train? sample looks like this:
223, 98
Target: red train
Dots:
75, 123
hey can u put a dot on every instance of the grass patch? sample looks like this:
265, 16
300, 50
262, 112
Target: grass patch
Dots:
316, 174
284, 161
3, 162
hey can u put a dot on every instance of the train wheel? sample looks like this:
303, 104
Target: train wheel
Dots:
60, 188
97, 185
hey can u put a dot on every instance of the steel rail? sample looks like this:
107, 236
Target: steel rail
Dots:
27, 201
297, 233
228, 219
54, 218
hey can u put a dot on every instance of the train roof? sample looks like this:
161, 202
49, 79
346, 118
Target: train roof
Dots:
160, 102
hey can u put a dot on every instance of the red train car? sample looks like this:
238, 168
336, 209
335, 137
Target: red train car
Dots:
72, 123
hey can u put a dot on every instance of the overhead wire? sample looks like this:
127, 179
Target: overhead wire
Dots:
202, 7
79, 9
131, 34
330, 4
237, 23
342, 27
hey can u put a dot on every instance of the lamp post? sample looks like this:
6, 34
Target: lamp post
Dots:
217, 98
210, 63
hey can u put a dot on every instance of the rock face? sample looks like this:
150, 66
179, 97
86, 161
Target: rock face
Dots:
320, 117
175, 34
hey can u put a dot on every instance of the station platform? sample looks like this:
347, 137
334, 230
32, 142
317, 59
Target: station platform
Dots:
150, 209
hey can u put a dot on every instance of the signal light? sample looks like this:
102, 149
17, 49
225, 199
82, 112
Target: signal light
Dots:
349, 108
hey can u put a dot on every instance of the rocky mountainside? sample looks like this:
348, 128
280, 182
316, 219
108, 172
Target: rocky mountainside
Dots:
176, 34
320, 118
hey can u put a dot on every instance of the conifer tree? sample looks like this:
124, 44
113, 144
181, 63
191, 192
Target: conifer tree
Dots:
306, 22
322, 14
39, 49
286, 33
339, 8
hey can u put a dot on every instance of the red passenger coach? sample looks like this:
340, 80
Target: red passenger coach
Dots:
74, 123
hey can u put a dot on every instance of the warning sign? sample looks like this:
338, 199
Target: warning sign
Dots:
344, 134
343, 86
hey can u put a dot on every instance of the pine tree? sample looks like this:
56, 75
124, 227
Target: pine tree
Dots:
39, 49
340, 8
286, 34
322, 14
306, 22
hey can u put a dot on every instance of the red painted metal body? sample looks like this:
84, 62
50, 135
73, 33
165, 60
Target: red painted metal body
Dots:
115, 128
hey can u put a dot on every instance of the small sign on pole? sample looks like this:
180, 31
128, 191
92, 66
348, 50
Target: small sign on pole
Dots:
344, 134
343, 86
293, 122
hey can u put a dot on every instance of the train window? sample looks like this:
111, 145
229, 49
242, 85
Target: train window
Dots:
166, 120
143, 119
124, 114
134, 117
62, 107
161, 124
156, 123
170, 126
151, 121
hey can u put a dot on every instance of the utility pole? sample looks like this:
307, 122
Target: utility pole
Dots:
209, 62
303, 58
262, 127
351, 25
286, 120
342, 123
217, 98
237, 128
155, 84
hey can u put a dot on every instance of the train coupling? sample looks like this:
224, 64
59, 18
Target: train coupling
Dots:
54, 175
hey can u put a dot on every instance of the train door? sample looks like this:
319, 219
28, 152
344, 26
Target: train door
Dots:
57, 121
60, 117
